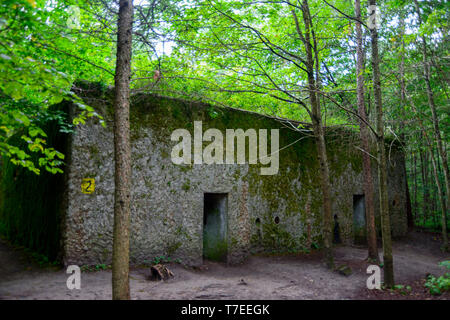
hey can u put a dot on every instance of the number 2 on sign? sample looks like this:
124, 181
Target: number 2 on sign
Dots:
88, 185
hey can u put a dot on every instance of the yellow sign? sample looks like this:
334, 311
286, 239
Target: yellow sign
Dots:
88, 185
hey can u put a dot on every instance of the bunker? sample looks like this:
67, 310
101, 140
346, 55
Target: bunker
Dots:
190, 212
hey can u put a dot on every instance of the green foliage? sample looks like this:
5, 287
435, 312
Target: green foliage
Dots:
222, 57
439, 285
29, 255
163, 259
445, 264
402, 289
30, 206
95, 268
40, 57
314, 245
41, 259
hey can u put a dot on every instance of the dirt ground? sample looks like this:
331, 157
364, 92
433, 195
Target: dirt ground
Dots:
302, 276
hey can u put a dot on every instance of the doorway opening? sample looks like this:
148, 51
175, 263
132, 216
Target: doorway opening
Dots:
215, 225
359, 219
336, 231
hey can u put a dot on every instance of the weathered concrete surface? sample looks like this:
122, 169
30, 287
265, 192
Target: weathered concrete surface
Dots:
167, 205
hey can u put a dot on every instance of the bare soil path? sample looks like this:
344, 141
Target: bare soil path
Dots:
260, 277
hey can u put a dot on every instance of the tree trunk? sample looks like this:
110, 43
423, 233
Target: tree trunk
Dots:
122, 155
364, 134
415, 186
426, 200
433, 211
382, 164
446, 244
319, 135
409, 215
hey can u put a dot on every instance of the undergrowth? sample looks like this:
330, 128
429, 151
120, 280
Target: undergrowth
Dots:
439, 285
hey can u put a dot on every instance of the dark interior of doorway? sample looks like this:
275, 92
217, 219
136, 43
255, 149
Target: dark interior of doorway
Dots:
359, 219
215, 244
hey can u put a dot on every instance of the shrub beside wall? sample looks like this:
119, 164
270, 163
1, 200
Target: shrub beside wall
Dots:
30, 204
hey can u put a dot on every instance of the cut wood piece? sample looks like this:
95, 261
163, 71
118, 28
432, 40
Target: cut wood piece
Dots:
159, 272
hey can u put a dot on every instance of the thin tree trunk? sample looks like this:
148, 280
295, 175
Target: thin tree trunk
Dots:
369, 106
382, 164
122, 155
319, 134
424, 188
415, 186
409, 215
364, 134
434, 198
435, 195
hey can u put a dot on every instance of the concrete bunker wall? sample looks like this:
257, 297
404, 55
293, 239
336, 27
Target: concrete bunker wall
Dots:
264, 213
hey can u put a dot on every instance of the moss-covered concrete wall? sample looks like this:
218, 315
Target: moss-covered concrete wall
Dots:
167, 205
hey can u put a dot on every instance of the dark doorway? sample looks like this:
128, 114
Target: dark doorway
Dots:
359, 219
215, 226
336, 231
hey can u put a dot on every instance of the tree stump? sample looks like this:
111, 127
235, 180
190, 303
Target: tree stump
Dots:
159, 272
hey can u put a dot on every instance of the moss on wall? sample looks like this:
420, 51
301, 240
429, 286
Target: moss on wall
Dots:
297, 163
285, 195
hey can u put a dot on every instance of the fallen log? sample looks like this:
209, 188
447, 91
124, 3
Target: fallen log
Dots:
159, 272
